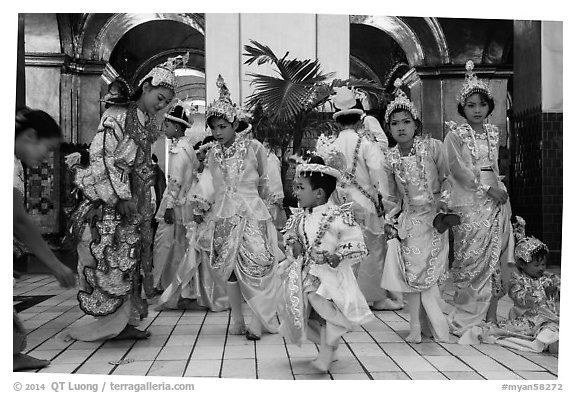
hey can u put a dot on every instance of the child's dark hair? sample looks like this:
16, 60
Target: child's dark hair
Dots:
483, 97
540, 253
206, 140
40, 121
398, 110
154, 158
319, 180
178, 112
138, 92
242, 124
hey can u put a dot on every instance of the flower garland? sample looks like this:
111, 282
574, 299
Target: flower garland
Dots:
327, 218
240, 146
468, 136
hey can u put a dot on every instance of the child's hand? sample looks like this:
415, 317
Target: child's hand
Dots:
324, 257
125, 207
552, 292
198, 219
297, 248
390, 231
169, 216
500, 196
64, 275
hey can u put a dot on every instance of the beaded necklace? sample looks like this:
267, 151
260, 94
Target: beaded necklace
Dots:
327, 218
401, 170
240, 146
469, 136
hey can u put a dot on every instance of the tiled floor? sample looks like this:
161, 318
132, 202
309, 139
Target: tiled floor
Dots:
196, 344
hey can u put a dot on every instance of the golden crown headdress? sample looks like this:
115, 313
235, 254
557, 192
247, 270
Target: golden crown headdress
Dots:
400, 102
163, 74
472, 84
526, 246
222, 107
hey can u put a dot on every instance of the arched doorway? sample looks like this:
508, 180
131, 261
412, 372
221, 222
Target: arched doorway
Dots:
132, 44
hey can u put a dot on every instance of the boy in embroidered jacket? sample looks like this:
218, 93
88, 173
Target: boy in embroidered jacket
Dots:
320, 297
363, 181
170, 240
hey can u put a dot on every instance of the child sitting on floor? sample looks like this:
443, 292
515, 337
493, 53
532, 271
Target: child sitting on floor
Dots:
533, 323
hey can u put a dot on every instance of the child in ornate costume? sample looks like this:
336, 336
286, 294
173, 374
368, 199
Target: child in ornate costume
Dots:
193, 278
36, 134
117, 187
170, 239
239, 234
320, 297
533, 323
484, 241
275, 198
417, 257
371, 125
362, 182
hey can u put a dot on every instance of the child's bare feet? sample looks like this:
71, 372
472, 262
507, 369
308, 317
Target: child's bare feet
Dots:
22, 362
254, 331
324, 359
131, 333
237, 328
415, 335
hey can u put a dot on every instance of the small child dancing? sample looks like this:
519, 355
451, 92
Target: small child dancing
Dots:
320, 297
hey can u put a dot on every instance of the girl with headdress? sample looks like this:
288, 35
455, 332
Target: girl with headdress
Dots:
417, 256
240, 236
362, 183
119, 92
372, 128
533, 323
320, 298
116, 247
483, 241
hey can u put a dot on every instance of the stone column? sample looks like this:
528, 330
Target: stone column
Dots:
20, 66
323, 37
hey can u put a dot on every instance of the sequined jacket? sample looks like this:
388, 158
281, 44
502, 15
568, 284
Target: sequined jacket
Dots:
467, 157
113, 154
329, 228
529, 293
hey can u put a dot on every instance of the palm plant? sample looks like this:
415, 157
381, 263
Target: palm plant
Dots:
299, 88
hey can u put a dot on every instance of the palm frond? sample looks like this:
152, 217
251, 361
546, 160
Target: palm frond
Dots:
259, 53
281, 99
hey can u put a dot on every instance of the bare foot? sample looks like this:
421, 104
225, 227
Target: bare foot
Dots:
237, 328
324, 360
22, 362
415, 335
254, 331
387, 305
131, 333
